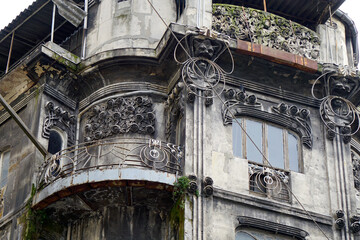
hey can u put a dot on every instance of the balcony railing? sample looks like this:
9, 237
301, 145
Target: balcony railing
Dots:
269, 182
112, 153
265, 28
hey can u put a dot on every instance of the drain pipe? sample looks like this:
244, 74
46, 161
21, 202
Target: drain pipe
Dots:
86, 9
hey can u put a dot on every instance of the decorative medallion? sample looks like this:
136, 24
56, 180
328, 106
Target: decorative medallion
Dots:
119, 116
266, 180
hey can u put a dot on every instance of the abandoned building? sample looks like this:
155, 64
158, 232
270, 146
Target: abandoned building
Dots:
185, 119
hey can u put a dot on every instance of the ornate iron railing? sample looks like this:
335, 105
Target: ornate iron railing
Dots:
269, 182
265, 28
112, 153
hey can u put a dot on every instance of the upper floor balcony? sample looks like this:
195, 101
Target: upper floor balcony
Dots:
115, 162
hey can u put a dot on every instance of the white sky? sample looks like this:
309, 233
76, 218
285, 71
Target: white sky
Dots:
10, 9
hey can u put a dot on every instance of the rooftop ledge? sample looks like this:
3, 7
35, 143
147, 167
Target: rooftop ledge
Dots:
267, 35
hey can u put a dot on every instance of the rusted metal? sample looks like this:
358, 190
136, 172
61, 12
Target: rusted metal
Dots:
264, 2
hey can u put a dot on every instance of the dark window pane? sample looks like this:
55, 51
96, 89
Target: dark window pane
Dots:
243, 236
275, 146
254, 129
55, 142
4, 167
237, 142
293, 152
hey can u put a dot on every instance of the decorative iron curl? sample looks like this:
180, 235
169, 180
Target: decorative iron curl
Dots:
207, 79
349, 113
344, 110
266, 179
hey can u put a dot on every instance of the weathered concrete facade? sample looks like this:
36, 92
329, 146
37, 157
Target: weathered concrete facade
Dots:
254, 115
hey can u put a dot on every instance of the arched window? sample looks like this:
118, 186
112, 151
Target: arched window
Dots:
258, 234
56, 142
279, 145
244, 236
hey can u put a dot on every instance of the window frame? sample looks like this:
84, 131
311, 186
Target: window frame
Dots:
264, 141
5, 180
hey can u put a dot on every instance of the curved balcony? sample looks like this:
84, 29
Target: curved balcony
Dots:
116, 162
267, 29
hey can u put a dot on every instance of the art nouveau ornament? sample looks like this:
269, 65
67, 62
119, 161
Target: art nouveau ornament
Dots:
337, 112
202, 76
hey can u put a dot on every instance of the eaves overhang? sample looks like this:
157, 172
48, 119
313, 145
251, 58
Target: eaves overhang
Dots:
31, 28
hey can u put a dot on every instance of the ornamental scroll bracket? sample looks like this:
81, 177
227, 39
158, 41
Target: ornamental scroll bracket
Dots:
119, 116
238, 103
339, 85
58, 117
201, 75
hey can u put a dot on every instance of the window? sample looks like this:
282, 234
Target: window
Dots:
5, 161
281, 150
56, 143
280, 146
255, 234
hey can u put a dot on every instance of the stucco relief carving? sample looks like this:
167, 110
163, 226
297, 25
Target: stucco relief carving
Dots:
356, 170
239, 103
340, 116
266, 29
58, 117
300, 118
175, 106
200, 73
118, 116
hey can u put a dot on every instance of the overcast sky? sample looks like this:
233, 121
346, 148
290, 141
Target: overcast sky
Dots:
10, 9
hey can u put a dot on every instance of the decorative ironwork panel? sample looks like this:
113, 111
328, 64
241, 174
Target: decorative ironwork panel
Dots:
118, 116
267, 29
113, 153
269, 182
339, 86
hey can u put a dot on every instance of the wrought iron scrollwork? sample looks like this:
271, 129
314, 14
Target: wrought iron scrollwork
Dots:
270, 182
337, 112
113, 153
202, 76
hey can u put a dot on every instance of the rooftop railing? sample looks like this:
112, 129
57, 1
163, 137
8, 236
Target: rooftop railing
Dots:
267, 29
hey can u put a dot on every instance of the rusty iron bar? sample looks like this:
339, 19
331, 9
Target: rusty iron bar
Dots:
42, 6
265, 10
10, 51
23, 127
